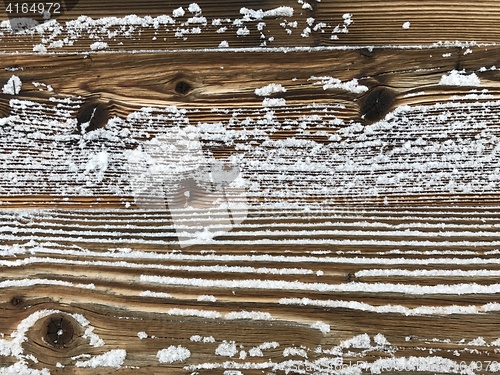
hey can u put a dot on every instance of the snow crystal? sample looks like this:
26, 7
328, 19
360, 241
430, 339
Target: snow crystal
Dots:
178, 12
357, 342
224, 44
478, 341
226, 349
406, 25
459, 78
142, 335
13, 86
347, 18
173, 354
99, 163
94, 340
193, 312
20, 368
40, 48
194, 8
113, 358
335, 83
380, 340
97, 46
273, 102
205, 339
323, 327
255, 315
206, 298
272, 88
243, 31
148, 293
257, 351
251, 14
287, 352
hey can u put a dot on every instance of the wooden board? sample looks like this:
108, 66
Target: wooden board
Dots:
314, 205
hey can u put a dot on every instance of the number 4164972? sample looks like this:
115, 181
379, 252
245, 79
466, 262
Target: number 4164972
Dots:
25, 8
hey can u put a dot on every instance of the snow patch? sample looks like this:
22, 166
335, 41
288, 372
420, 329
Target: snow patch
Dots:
178, 12
13, 86
273, 102
335, 83
173, 354
249, 315
113, 358
272, 88
459, 78
250, 14
226, 349
323, 327
206, 298
99, 46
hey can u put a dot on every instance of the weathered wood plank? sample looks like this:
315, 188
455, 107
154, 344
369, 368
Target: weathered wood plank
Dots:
184, 210
248, 24
425, 151
161, 292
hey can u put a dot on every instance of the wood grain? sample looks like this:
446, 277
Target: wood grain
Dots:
345, 223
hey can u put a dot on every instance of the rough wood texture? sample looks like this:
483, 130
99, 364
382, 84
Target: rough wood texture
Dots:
359, 227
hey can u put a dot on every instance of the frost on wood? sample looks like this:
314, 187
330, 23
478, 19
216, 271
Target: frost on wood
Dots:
173, 354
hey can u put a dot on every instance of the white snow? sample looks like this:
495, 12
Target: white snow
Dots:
226, 349
148, 293
224, 44
380, 340
194, 8
243, 31
99, 46
273, 102
142, 335
406, 25
452, 289
94, 340
282, 11
300, 352
204, 339
395, 309
13, 86
113, 358
460, 78
272, 88
98, 163
173, 354
178, 12
335, 83
249, 315
194, 312
323, 327
206, 298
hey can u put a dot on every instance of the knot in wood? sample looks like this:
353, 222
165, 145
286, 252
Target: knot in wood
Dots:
183, 88
376, 103
59, 331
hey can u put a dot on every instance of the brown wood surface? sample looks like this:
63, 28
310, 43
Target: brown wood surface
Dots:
366, 237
